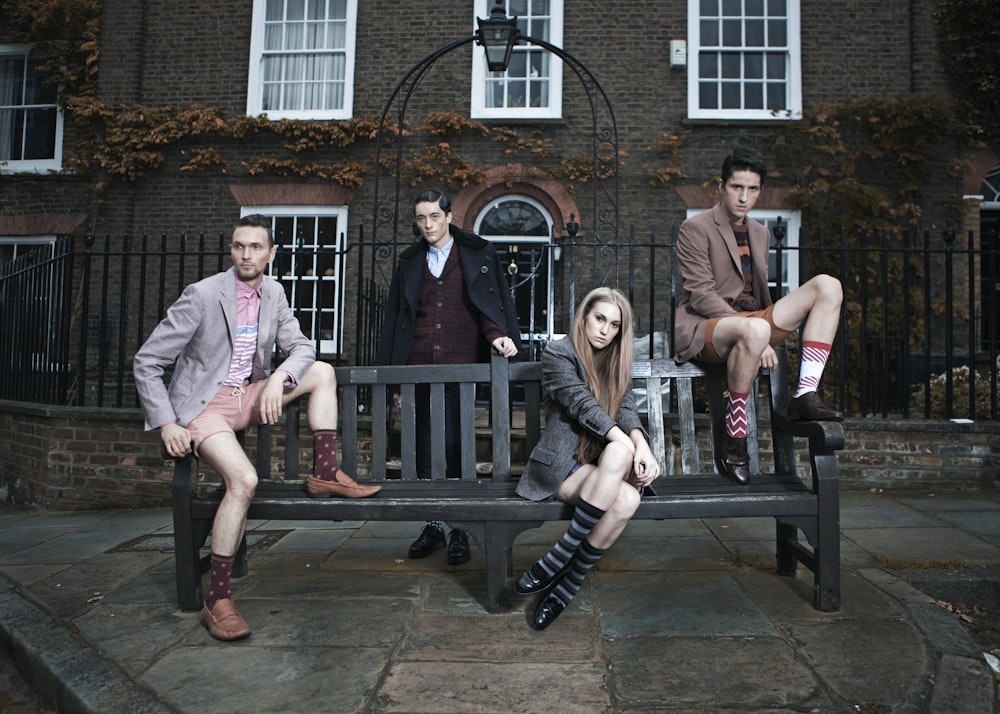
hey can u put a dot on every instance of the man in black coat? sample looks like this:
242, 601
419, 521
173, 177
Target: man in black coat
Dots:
447, 286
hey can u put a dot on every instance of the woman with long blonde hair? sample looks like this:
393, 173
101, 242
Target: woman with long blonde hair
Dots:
593, 454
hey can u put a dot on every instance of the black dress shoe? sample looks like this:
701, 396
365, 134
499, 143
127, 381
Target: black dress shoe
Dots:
458, 547
809, 407
431, 539
535, 579
735, 461
546, 612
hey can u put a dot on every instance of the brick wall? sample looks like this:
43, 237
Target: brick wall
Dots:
74, 458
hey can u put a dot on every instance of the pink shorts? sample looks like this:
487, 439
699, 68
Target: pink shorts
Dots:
710, 354
232, 409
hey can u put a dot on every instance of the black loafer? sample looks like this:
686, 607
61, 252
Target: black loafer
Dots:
458, 547
546, 612
431, 539
535, 579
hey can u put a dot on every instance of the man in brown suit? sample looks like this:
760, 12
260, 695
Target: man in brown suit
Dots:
725, 314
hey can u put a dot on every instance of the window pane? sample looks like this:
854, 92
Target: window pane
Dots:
753, 65
708, 8
518, 66
709, 33
708, 65
540, 7
40, 134
755, 33
775, 65
517, 94
753, 93
517, 7
731, 95
776, 96
708, 95
754, 8
776, 7
539, 29
732, 8
273, 11
540, 94
731, 66
296, 10
777, 33
732, 33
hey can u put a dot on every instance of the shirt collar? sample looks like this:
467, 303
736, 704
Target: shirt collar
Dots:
244, 291
441, 253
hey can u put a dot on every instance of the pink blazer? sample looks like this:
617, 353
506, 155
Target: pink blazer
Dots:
712, 278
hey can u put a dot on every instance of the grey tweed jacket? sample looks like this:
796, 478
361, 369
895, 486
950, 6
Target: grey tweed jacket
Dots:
570, 408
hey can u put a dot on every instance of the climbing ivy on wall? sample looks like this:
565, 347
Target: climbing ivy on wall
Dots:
968, 33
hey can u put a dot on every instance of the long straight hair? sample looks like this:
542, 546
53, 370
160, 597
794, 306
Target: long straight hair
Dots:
608, 370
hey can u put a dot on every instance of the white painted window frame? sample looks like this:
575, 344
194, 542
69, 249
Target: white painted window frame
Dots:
255, 84
553, 110
793, 70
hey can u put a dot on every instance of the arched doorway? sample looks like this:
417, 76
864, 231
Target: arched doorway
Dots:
522, 229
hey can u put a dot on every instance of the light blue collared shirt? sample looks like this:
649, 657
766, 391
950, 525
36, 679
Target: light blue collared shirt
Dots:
437, 257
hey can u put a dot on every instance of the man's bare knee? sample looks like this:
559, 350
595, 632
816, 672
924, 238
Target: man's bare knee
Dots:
322, 374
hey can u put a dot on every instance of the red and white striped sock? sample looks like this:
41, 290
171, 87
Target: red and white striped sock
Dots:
814, 357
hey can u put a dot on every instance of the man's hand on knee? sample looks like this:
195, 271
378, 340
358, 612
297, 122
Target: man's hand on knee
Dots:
270, 398
176, 440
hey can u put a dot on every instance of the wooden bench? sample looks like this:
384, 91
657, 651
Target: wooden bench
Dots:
485, 504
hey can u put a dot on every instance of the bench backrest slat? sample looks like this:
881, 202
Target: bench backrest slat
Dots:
516, 387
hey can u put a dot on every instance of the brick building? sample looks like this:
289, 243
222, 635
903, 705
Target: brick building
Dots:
706, 73
201, 112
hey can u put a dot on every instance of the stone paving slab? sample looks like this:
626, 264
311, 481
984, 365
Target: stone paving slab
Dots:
680, 616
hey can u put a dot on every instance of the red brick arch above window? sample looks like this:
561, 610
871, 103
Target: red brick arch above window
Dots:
291, 194
515, 180
38, 224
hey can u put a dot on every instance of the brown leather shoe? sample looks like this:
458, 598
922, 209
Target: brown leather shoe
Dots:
224, 621
735, 461
809, 407
344, 486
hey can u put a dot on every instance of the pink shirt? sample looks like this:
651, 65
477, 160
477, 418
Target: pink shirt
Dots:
245, 347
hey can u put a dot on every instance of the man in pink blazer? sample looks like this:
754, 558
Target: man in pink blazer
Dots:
725, 314
220, 335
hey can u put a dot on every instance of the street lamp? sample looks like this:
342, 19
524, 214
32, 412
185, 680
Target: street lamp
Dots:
497, 35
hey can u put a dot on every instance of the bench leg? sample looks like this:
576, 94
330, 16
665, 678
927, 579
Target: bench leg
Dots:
240, 567
187, 562
826, 590
496, 540
787, 562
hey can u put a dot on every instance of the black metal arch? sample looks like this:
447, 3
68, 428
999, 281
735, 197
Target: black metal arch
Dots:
603, 228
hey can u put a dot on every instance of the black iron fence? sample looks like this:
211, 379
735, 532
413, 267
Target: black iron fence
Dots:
919, 335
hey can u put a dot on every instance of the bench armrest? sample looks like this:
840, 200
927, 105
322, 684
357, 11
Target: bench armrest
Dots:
825, 437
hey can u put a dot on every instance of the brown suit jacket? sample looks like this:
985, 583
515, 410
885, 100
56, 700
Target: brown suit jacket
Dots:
712, 278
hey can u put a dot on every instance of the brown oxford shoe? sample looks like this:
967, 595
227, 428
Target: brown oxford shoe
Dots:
224, 621
344, 486
809, 407
735, 461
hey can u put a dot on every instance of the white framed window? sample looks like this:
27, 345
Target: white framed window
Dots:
521, 230
31, 123
310, 264
531, 88
14, 247
783, 281
302, 59
745, 59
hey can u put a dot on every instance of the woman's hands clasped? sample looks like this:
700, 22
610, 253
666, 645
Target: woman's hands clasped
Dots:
644, 465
